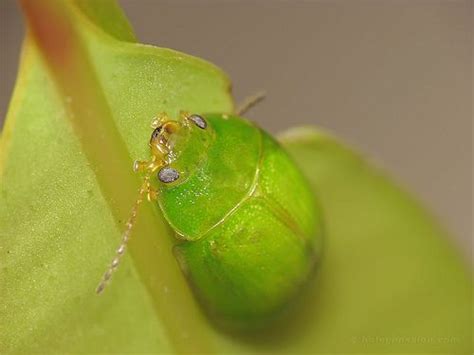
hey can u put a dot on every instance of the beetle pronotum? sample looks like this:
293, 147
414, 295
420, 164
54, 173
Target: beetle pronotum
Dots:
248, 226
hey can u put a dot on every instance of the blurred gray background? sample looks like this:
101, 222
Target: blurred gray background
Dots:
391, 77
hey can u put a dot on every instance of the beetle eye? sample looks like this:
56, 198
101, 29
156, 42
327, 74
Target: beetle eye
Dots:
156, 133
168, 175
199, 121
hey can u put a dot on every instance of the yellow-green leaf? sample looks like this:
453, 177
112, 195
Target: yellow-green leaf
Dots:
79, 117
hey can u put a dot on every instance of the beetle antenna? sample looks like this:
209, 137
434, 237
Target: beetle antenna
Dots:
125, 236
250, 102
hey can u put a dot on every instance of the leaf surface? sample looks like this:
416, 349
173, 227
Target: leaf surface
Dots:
79, 117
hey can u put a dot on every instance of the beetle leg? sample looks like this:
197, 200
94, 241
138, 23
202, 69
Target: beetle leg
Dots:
140, 166
147, 166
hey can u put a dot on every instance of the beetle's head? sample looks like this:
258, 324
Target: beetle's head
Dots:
177, 147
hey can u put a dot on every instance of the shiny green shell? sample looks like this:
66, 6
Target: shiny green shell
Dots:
248, 228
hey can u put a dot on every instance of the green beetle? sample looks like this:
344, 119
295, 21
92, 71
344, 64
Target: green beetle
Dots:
248, 228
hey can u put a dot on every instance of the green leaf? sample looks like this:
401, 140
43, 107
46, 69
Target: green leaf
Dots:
80, 115
390, 279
